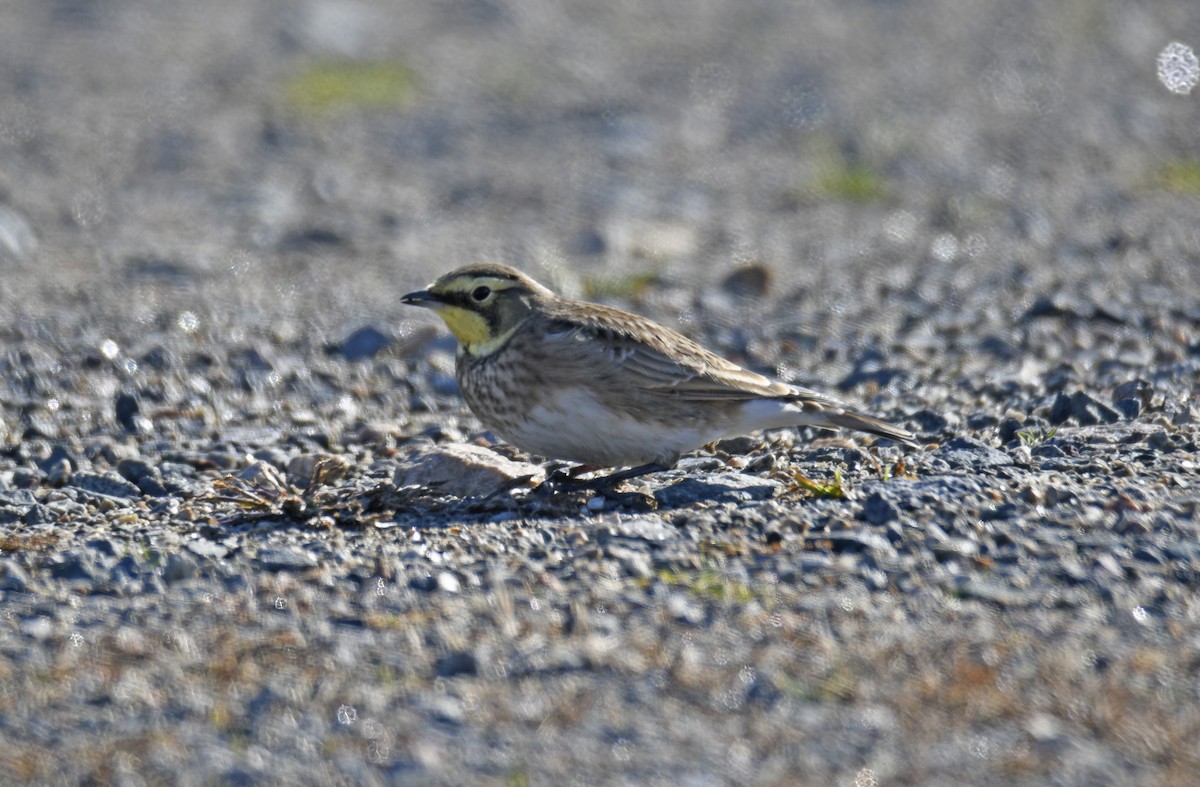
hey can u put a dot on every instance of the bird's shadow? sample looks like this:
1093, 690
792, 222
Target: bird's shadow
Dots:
379, 503
693, 482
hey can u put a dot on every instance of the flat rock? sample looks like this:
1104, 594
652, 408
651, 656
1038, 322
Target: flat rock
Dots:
460, 469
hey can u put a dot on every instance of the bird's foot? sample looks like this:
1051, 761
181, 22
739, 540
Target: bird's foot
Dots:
567, 481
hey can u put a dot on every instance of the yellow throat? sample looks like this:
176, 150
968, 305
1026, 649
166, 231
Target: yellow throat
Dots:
472, 330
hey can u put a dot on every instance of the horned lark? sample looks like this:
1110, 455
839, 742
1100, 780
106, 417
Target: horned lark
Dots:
566, 379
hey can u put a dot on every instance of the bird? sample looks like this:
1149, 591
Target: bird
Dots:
582, 382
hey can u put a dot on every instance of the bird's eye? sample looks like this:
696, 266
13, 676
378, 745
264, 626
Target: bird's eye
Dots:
480, 294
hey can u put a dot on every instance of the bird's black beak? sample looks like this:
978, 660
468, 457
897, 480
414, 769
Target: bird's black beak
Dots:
423, 298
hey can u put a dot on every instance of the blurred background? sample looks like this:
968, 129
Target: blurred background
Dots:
301, 164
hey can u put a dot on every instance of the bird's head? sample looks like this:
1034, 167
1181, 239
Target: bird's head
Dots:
482, 305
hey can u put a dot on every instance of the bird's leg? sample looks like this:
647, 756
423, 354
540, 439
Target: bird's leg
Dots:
563, 479
609, 482
606, 483
579, 470
558, 480
567, 479
606, 486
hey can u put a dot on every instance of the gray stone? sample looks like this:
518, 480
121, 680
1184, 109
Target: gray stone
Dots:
125, 568
854, 541
951, 548
134, 470
152, 487
423, 580
12, 577
202, 547
40, 515
274, 455
17, 497
39, 628
929, 422
455, 663
633, 562
685, 610
743, 444
1084, 409
307, 469
1129, 408
57, 471
73, 566
968, 453
444, 709
262, 474
52, 464
126, 411
1138, 390
1160, 441
992, 592
725, 487
104, 546
285, 559
1048, 450
364, 343
652, 530
17, 238
878, 510
106, 485
751, 280
1059, 304
1009, 427
179, 567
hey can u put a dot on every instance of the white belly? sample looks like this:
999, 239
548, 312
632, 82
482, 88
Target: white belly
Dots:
573, 425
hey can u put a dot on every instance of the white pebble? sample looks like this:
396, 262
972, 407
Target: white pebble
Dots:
1178, 68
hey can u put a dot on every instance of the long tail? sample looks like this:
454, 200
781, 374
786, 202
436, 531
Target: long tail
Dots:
849, 419
829, 413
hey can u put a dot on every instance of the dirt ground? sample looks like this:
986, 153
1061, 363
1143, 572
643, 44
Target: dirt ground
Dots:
977, 219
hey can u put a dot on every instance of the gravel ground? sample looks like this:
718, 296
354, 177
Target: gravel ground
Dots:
249, 533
